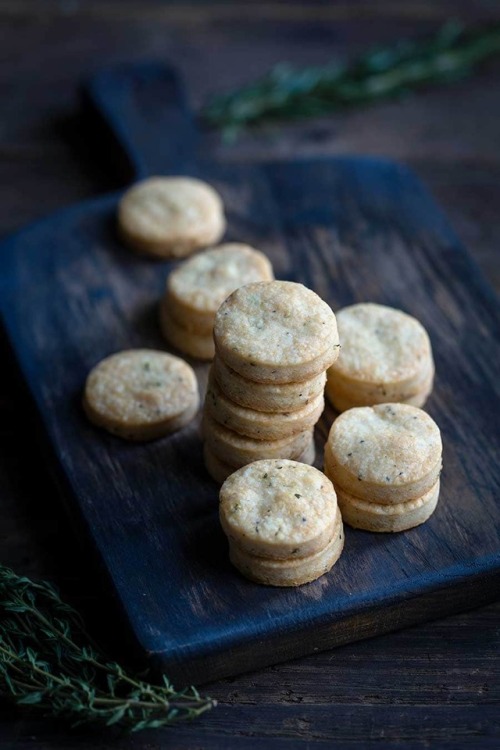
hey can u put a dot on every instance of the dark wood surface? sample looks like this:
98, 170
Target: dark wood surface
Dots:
432, 686
352, 229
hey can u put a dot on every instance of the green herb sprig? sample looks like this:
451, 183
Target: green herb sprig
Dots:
287, 93
48, 662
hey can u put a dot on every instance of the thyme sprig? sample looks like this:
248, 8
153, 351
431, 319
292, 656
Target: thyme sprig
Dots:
47, 661
287, 93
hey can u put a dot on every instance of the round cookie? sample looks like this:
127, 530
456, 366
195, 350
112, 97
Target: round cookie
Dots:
276, 332
198, 346
257, 424
369, 516
388, 453
170, 217
291, 572
220, 471
141, 394
343, 398
237, 450
197, 288
267, 397
278, 509
383, 349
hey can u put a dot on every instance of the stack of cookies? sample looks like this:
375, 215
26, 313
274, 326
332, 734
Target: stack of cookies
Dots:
273, 341
282, 522
385, 462
196, 289
386, 357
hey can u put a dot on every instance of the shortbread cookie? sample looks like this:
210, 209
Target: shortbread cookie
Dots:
341, 399
389, 453
369, 516
237, 450
276, 332
257, 424
278, 509
385, 352
170, 217
141, 394
198, 346
267, 397
220, 471
197, 288
291, 572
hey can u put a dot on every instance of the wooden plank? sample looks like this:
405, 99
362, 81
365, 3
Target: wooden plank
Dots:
352, 229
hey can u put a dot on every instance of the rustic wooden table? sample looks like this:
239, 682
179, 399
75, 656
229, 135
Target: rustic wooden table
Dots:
433, 686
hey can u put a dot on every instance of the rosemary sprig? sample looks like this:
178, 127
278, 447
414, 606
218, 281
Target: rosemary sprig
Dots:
47, 661
286, 93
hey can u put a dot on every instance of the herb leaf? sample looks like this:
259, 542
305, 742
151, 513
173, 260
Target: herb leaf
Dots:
47, 661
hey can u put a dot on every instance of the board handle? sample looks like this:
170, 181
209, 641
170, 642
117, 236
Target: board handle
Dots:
144, 107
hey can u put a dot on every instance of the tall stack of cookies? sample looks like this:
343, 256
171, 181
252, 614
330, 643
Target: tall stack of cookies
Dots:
385, 462
273, 343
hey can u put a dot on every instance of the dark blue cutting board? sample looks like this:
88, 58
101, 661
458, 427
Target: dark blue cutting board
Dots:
353, 229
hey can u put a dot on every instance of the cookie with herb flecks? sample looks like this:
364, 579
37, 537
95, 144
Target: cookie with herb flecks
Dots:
386, 357
385, 455
141, 394
267, 397
282, 522
276, 332
257, 424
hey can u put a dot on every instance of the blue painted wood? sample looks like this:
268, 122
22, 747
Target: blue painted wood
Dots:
353, 229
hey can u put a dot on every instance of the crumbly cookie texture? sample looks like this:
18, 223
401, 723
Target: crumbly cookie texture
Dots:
141, 394
257, 424
380, 345
370, 516
219, 470
293, 571
343, 397
390, 446
267, 397
276, 331
198, 346
237, 450
196, 289
170, 217
278, 508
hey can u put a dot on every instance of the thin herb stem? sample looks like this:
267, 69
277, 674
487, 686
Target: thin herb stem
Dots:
287, 93
48, 661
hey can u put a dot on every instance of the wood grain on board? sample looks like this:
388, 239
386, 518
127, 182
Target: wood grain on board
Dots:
350, 228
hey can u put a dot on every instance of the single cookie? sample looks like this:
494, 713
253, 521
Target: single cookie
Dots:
258, 424
279, 509
291, 572
381, 348
198, 346
237, 450
197, 288
220, 471
369, 516
276, 332
141, 394
341, 399
389, 453
170, 217
267, 397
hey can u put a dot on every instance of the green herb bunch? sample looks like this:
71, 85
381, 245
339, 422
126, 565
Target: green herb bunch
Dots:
48, 662
287, 93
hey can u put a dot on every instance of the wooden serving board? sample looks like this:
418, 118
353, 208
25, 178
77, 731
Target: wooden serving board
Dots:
352, 229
